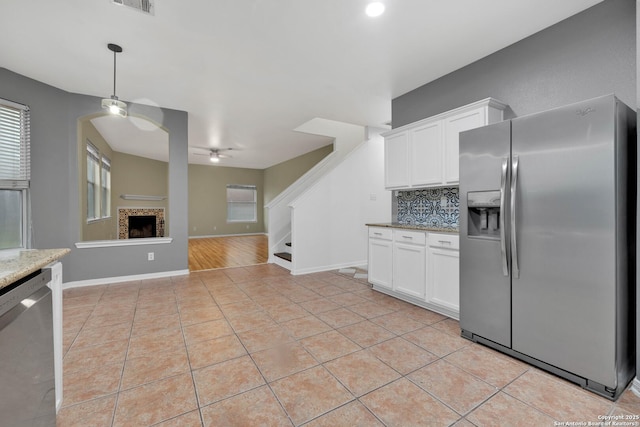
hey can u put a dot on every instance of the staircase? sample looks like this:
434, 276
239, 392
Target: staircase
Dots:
318, 223
284, 255
345, 138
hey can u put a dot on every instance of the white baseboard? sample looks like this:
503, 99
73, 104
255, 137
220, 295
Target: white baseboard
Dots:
635, 386
119, 279
227, 235
320, 269
454, 314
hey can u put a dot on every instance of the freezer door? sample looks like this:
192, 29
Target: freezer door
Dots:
565, 203
485, 295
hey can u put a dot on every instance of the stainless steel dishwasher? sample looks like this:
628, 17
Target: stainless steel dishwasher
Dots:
27, 390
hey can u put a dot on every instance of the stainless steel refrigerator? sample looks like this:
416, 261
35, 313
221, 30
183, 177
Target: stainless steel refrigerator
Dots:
547, 241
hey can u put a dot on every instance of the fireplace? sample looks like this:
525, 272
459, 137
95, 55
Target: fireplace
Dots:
142, 226
135, 223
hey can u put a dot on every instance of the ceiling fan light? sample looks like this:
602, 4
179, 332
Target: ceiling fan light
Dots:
214, 158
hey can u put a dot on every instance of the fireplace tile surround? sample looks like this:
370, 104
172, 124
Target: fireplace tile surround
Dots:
125, 213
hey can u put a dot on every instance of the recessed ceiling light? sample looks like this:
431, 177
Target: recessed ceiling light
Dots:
374, 9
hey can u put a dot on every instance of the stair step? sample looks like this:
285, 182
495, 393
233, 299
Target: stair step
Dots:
288, 244
284, 255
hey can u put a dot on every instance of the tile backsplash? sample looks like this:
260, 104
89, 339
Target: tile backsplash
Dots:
434, 207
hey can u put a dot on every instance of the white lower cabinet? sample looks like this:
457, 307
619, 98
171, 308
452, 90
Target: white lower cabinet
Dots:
443, 281
420, 267
409, 263
380, 257
444, 278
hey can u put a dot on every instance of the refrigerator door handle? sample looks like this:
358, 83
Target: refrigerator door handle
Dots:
503, 211
514, 237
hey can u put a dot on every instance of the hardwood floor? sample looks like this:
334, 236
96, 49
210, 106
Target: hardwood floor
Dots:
234, 251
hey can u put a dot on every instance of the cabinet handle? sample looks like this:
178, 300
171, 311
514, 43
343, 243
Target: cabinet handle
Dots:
444, 241
378, 234
408, 237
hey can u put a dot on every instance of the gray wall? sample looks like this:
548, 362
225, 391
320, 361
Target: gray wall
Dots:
54, 182
51, 167
589, 54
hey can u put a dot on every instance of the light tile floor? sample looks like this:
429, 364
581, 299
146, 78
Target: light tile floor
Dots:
256, 346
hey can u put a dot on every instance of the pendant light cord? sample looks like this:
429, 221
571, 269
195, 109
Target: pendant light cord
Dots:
114, 73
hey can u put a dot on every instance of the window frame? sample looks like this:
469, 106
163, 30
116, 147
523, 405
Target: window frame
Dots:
254, 188
105, 164
21, 182
93, 154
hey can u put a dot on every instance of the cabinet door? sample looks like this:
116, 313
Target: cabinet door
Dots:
444, 278
409, 269
396, 161
453, 126
380, 259
426, 155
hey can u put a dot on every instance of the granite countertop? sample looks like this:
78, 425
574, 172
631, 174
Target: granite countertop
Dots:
18, 263
415, 227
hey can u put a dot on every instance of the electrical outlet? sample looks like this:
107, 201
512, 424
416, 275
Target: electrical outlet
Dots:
372, 197
215, 228
247, 227
151, 256
195, 228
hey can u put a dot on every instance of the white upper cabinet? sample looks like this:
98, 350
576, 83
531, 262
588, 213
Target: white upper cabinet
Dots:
452, 128
425, 153
396, 158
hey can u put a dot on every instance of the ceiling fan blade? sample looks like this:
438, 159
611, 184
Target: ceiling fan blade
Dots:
214, 149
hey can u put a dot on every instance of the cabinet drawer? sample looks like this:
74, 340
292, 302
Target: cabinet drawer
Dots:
412, 237
380, 233
447, 241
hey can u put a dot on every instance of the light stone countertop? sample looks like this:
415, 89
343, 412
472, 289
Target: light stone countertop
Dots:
18, 263
415, 227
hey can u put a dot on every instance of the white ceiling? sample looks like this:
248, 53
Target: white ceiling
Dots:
134, 135
250, 71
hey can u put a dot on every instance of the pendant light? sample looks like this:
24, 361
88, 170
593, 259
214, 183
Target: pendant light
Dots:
113, 104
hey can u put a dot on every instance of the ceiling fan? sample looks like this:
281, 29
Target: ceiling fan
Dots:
215, 154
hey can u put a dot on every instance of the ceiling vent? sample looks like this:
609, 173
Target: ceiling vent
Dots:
144, 6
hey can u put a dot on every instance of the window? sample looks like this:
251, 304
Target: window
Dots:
93, 182
105, 185
241, 203
98, 184
14, 174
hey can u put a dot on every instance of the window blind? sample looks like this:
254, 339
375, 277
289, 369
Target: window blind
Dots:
14, 142
93, 182
241, 203
105, 183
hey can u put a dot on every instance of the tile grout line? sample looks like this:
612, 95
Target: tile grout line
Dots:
256, 366
520, 400
124, 364
186, 349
